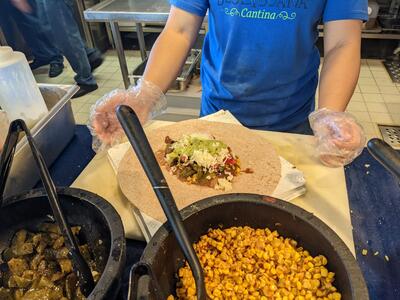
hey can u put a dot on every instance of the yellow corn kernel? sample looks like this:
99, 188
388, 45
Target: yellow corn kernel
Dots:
245, 263
317, 276
191, 291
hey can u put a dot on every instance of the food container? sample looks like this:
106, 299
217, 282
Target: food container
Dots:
19, 94
181, 83
162, 257
99, 222
52, 134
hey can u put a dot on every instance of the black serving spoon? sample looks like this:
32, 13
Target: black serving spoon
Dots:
81, 268
136, 136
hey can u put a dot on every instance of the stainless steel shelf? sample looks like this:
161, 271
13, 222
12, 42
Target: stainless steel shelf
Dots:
129, 10
139, 11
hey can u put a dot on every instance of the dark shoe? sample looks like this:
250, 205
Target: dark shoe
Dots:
95, 62
55, 70
37, 64
85, 89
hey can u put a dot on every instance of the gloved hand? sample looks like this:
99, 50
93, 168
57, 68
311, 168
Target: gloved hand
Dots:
340, 139
146, 99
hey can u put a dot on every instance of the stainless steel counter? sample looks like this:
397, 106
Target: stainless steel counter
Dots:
138, 11
129, 10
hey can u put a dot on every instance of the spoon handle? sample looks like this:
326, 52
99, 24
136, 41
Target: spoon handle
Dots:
136, 136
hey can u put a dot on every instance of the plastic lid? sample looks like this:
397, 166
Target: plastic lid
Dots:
5, 53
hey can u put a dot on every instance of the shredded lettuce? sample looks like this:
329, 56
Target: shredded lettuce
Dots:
195, 144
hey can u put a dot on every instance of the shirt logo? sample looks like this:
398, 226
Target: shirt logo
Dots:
263, 9
259, 14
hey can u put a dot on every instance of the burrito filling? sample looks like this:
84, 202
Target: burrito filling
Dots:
203, 160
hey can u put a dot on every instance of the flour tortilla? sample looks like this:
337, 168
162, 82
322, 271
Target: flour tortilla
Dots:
253, 151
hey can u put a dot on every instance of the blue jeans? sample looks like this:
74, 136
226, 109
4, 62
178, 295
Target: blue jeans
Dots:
33, 28
67, 37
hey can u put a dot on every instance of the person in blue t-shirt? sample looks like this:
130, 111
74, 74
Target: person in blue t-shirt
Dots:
260, 62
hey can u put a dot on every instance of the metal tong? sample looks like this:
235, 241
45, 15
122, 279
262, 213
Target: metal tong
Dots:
81, 268
136, 136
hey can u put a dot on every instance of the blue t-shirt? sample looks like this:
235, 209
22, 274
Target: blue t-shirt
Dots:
259, 57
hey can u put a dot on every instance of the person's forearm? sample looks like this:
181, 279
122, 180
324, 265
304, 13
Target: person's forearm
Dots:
170, 51
339, 76
166, 59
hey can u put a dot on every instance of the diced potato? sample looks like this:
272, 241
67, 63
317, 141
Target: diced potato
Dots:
65, 265
19, 282
37, 266
23, 249
17, 265
5, 294
58, 243
19, 238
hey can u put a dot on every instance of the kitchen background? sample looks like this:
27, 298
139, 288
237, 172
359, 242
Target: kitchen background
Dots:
376, 99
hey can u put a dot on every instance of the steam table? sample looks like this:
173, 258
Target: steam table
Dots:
374, 199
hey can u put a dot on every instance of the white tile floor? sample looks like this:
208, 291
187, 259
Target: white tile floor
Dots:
108, 77
376, 99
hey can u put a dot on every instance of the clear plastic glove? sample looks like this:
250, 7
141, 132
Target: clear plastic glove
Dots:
340, 139
145, 98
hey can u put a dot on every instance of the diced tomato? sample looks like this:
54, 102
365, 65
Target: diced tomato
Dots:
231, 161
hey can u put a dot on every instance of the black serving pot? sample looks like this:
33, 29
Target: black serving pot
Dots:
155, 276
101, 226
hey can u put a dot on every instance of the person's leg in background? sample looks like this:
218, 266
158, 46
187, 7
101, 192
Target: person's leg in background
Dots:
68, 39
6, 22
37, 36
94, 56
